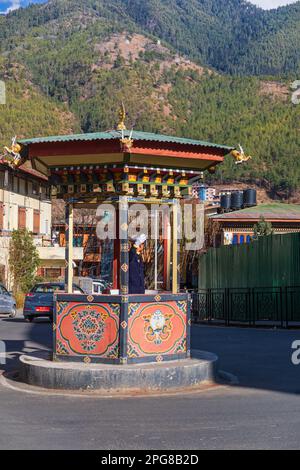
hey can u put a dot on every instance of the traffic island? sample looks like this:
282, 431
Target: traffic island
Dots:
39, 370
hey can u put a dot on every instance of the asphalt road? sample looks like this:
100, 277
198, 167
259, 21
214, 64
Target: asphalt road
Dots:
261, 412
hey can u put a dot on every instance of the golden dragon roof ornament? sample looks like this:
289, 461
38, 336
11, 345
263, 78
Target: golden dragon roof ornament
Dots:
240, 156
126, 142
122, 118
12, 155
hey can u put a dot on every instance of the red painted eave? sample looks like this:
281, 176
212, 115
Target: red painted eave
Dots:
27, 171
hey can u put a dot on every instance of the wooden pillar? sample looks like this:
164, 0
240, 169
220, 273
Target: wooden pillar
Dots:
124, 276
116, 260
124, 246
175, 250
156, 223
179, 246
167, 252
69, 247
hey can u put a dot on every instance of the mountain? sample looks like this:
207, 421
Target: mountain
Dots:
80, 59
27, 110
232, 36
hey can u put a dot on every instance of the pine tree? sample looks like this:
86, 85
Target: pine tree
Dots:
262, 229
23, 260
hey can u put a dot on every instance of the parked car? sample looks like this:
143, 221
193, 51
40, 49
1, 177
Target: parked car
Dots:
100, 287
7, 303
39, 301
93, 286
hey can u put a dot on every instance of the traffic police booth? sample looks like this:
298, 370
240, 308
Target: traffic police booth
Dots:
123, 168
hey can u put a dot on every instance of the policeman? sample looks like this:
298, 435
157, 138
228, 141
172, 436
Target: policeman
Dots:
136, 266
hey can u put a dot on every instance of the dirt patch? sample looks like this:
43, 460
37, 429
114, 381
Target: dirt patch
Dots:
68, 122
129, 47
275, 90
132, 47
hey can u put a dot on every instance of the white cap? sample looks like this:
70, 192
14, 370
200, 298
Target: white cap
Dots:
140, 239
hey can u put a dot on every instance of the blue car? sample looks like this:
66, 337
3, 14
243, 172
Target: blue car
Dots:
7, 303
39, 301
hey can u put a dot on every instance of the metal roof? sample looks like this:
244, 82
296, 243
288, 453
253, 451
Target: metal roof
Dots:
275, 211
111, 135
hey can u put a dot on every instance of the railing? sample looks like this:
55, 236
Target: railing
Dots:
278, 306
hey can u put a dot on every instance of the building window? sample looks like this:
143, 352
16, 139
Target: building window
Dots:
248, 239
242, 239
22, 186
1, 179
235, 239
36, 222
15, 184
35, 189
22, 218
52, 273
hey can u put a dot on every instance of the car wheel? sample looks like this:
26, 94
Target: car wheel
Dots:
29, 319
13, 313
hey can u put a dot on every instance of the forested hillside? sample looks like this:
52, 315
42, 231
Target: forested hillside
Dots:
79, 59
233, 36
28, 111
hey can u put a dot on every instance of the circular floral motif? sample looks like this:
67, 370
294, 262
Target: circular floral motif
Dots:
89, 328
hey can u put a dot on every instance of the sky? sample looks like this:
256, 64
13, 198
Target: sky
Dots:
268, 4
9, 5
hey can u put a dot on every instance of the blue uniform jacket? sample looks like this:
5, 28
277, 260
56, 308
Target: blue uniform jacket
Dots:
136, 273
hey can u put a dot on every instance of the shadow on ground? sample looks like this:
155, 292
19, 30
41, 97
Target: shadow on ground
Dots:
21, 337
260, 358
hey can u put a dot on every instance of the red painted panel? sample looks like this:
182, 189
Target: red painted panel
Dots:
87, 329
157, 329
74, 148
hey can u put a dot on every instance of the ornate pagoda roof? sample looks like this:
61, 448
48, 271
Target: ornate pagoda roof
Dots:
117, 135
122, 147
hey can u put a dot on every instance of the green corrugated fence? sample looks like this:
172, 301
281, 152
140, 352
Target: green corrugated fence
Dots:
272, 261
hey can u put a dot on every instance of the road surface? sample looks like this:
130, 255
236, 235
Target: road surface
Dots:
261, 412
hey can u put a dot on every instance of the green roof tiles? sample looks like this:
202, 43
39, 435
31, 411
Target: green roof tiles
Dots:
279, 211
136, 135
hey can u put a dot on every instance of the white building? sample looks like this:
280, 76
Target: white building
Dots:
24, 203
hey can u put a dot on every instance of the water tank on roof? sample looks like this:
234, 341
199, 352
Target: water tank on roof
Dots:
202, 193
250, 198
237, 200
225, 201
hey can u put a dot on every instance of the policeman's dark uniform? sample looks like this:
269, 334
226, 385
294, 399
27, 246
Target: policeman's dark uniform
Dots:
136, 273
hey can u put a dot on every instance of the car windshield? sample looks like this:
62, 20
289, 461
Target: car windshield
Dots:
51, 288
48, 289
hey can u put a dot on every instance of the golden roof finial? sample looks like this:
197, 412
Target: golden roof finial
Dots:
122, 117
12, 154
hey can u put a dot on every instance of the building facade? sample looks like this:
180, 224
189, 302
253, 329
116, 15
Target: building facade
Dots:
237, 227
24, 203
